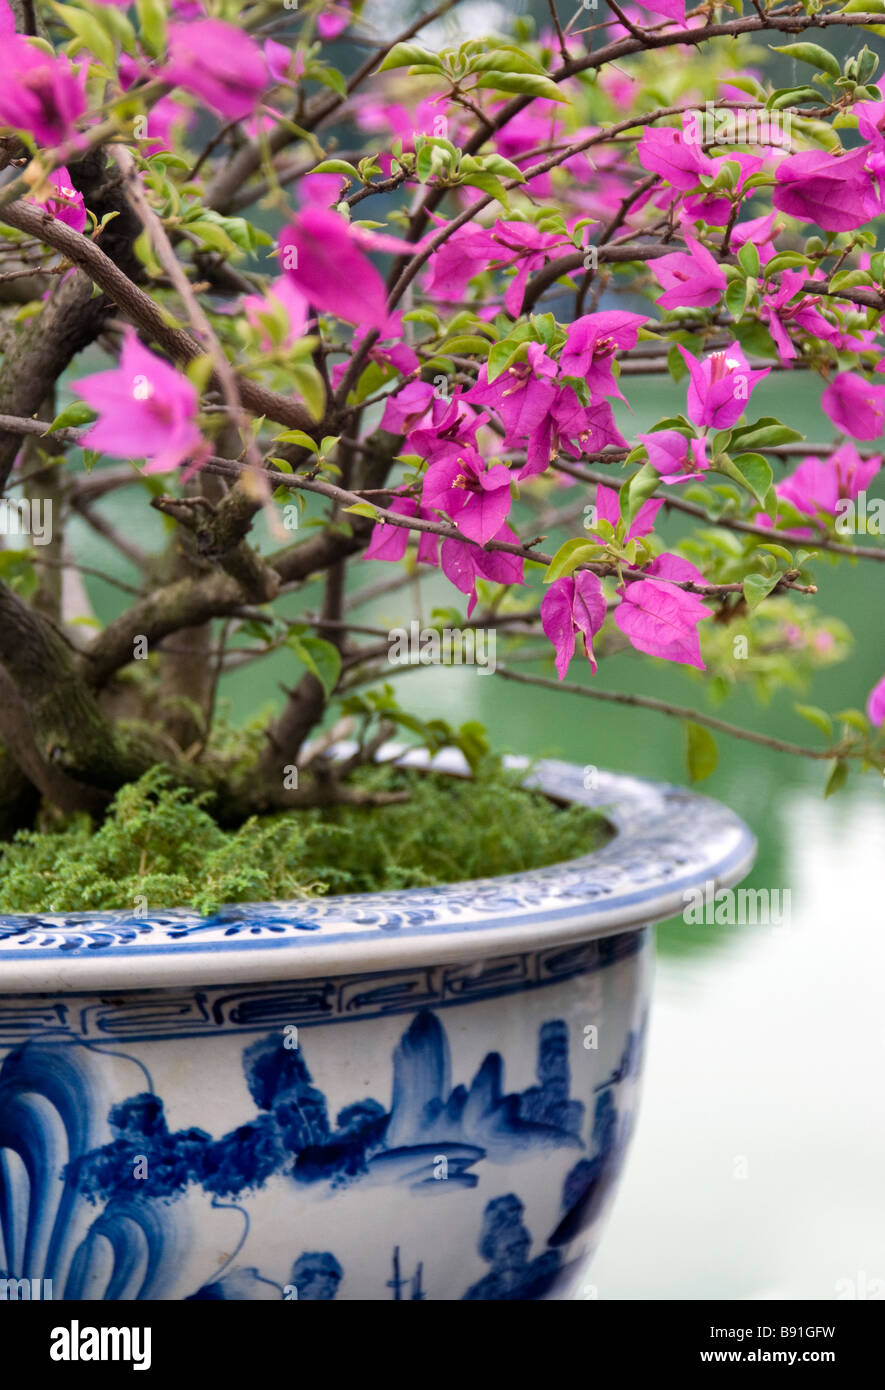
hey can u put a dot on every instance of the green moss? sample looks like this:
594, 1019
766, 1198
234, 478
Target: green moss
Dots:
159, 846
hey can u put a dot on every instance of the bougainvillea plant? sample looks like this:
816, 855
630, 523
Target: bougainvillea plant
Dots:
358, 312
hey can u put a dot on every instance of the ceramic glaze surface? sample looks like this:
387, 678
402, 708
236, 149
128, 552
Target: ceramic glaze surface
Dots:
409, 1095
444, 1133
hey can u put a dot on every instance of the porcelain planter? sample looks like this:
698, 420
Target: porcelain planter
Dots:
420, 1094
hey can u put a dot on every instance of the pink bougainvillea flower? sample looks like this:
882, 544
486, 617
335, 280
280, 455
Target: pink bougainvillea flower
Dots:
322, 189
464, 254
674, 456
779, 313
474, 495
761, 231
67, 205
713, 208
403, 411
281, 294
283, 64
669, 566
398, 355
608, 508
452, 425
218, 63
590, 346
524, 246
41, 93
323, 256
463, 564
571, 605
390, 542
836, 192
855, 405
522, 395
572, 428
146, 409
670, 9
816, 486
876, 704
662, 620
692, 279
333, 20
675, 155
720, 386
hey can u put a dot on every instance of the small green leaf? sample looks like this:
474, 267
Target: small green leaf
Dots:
569, 555
336, 166
818, 717
636, 491
837, 778
701, 753
76, 414
524, 83
320, 657
404, 55
811, 53
748, 256
757, 587
363, 509
297, 437
750, 469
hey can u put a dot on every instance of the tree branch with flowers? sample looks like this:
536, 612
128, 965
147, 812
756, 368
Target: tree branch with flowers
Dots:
395, 313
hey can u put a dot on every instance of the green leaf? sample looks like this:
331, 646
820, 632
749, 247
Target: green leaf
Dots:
752, 470
320, 657
331, 77
701, 753
791, 96
152, 26
76, 414
337, 166
757, 587
787, 260
466, 345
818, 717
851, 280
404, 55
213, 236
504, 60
525, 83
811, 53
569, 555
363, 509
636, 491
837, 778
488, 184
736, 298
497, 164
765, 433
89, 33
297, 437
855, 718
748, 256
309, 383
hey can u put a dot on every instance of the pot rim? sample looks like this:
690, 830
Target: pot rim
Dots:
668, 841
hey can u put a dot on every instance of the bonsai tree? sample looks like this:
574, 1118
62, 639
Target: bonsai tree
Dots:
355, 312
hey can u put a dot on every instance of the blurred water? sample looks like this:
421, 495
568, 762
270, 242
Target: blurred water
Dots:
757, 1168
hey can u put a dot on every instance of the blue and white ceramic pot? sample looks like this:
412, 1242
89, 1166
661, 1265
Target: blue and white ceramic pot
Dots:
420, 1094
